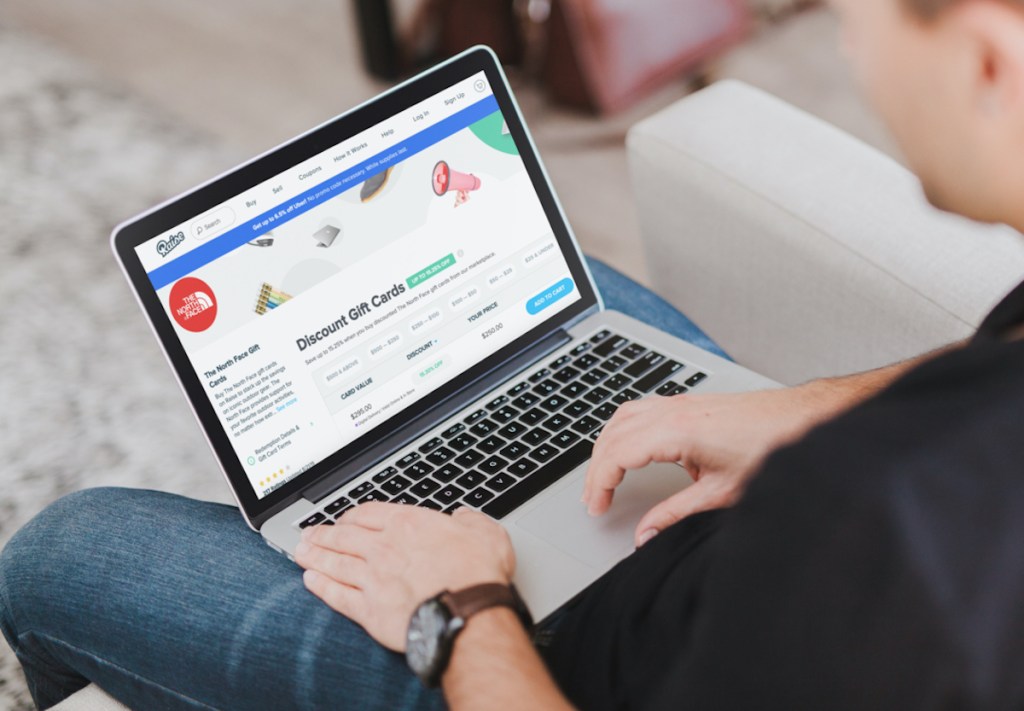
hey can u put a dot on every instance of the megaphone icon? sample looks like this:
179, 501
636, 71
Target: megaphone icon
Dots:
444, 180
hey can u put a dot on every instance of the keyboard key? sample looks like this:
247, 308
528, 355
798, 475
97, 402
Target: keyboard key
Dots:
585, 424
512, 430
536, 436
449, 495
491, 444
463, 442
514, 451
574, 390
500, 482
440, 456
664, 371
525, 401
497, 402
576, 409
544, 453
610, 346
384, 474
581, 348
695, 379
597, 395
430, 445
374, 496
478, 497
532, 417
565, 438
554, 403
669, 387
522, 467
560, 363
453, 430
519, 388
327, 522
539, 375
566, 374
677, 390
557, 422
483, 428
593, 377
451, 509
405, 499
428, 504
643, 364
470, 479
336, 506
361, 489
606, 411
408, 459
469, 458
342, 512
478, 415
546, 387
618, 382
425, 488
313, 520
600, 336
586, 361
614, 363
504, 415
539, 480
632, 351
396, 485
493, 465
447, 472
596, 433
626, 396
418, 470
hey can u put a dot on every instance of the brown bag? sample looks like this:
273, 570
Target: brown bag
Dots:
605, 54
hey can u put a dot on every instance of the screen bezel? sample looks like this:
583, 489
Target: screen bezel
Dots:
208, 196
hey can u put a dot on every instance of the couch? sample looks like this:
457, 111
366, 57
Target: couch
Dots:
802, 251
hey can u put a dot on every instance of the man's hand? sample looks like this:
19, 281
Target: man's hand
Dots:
380, 561
721, 440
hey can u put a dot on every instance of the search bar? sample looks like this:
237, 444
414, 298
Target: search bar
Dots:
213, 222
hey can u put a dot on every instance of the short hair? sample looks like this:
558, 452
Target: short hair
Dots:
930, 9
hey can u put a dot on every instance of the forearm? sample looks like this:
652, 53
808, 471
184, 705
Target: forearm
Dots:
494, 666
832, 396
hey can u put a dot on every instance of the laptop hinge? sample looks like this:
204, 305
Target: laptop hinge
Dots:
327, 485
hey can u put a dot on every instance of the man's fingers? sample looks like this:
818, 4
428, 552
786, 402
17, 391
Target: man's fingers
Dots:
345, 569
344, 599
374, 515
703, 495
343, 537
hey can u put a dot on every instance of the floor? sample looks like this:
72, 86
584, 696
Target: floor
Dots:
255, 72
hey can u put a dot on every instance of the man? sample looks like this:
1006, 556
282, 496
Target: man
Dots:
875, 557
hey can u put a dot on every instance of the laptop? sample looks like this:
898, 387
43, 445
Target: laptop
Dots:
451, 351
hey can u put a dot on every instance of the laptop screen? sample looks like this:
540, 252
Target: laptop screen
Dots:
327, 300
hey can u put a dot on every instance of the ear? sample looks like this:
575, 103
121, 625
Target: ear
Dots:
994, 31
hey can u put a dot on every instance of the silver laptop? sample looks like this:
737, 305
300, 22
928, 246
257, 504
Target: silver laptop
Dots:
451, 351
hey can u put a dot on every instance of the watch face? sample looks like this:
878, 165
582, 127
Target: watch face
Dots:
423, 641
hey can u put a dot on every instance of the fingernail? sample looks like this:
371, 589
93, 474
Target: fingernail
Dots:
303, 548
308, 577
592, 511
648, 535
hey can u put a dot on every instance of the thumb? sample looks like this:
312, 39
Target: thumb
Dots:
699, 496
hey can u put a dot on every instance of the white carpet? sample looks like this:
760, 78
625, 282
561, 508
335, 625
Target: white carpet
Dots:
87, 398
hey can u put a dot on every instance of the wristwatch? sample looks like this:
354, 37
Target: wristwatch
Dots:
437, 622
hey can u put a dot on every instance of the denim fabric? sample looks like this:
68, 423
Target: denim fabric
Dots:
170, 603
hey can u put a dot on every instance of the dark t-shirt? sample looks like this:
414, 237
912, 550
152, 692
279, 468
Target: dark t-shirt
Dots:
877, 564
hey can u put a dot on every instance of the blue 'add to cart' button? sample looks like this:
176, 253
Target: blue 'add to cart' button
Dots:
549, 296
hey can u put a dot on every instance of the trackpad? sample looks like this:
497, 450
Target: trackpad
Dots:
563, 522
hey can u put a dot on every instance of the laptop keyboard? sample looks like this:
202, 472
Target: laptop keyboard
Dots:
499, 456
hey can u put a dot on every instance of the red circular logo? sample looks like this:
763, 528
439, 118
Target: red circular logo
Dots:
193, 304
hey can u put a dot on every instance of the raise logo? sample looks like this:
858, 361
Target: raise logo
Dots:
193, 304
166, 246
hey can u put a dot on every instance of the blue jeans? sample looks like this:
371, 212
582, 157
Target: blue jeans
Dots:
168, 602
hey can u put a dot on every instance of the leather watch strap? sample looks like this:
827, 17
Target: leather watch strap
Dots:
466, 603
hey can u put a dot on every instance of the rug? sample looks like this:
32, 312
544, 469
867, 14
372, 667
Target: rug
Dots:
88, 399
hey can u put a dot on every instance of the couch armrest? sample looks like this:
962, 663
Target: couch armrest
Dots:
801, 250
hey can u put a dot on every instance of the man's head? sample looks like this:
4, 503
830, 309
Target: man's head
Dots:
948, 78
